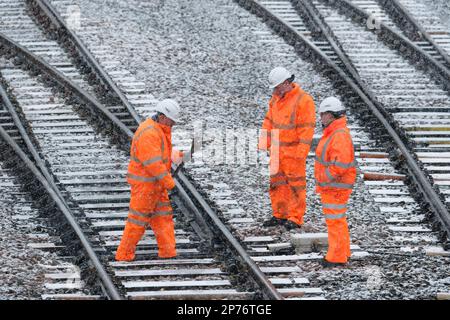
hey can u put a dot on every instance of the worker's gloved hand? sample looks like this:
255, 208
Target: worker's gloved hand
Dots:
168, 183
180, 157
177, 157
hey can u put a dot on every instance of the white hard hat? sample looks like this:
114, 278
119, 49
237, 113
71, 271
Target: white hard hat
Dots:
169, 108
278, 75
331, 104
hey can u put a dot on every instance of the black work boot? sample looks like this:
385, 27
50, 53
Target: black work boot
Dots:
291, 225
272, 222
327, 264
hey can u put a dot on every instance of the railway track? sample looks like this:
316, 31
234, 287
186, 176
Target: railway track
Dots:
268, 251
378, 62
422, 29
386, 75
63, 278
51, 254
274, 254
393, 196
419, 22
97, 191
396, 83
296, 286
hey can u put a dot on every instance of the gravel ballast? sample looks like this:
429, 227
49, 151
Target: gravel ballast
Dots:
22, 267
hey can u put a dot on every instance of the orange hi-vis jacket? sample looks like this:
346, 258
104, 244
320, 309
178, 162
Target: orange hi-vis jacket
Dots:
335, 167
294, 117
151, 152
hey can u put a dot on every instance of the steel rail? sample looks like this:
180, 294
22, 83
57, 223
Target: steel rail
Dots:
66, 84
83, 96
49, 187
318, 22
93, 104
270, 292
310, 51
307, 8
64, 31
25, 137
411, 26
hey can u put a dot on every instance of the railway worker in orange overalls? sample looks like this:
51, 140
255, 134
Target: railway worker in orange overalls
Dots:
150, 179
287, 134
335, 173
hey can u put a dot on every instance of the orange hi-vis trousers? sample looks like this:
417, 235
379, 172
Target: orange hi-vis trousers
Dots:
288, 190
148, 207
335, 210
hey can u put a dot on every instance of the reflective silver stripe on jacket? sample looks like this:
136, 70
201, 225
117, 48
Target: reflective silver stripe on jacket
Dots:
133, 158
334, 206
322, 161
162, 204
151, 160
335, 216
292, 126
162, 213
138, 222
294, 114
147, 179
329, 175
336, 185
337, 163
292, 143
140, 214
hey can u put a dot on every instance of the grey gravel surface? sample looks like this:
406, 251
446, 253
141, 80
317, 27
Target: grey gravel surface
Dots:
21, 266
442, 7
204, 54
